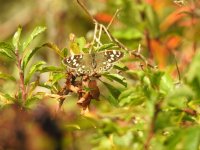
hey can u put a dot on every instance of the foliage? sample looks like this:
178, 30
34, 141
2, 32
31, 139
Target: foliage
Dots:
136, 105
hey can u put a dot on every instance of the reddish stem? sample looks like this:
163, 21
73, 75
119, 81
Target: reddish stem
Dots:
21, 75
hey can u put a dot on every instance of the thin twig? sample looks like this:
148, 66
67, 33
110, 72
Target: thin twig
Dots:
86, 10
116, 13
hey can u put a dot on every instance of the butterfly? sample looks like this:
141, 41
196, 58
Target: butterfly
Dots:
89, 63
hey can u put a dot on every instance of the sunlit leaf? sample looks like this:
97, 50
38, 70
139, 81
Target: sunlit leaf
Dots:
51, 68
7, 97
81, 43
34, 34
16, 38
7, 50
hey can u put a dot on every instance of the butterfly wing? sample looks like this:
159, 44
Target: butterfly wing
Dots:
80, 63
106, 59
73, 61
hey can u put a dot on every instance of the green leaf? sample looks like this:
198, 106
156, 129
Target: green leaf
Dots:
120, 66
6, 49
28, 56
131, 96
74, 47
55, 48
116, 77
57, 77
16, 38
173, 140
152, 21
193, 72
115, 92
31, 101
155, 78
194, 134
186, 139
7, 77
181, 92
7, 97
34, 68
105, 46
81, 43
128, 34
51, 69
65, 52
33, 35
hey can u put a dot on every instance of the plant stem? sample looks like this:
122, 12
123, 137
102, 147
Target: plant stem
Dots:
152, 126
21, 75
148, 42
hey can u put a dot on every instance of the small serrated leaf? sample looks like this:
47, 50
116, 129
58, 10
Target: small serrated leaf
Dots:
34, 34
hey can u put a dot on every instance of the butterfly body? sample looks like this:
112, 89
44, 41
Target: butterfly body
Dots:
89, 63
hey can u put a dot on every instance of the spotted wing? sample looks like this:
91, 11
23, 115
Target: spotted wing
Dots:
113, 55
82, 64
106, 59
73, 61
86, 66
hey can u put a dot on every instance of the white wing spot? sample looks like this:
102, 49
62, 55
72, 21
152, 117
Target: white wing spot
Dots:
112, 55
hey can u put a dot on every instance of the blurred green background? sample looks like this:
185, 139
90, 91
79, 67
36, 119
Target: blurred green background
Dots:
167, 31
